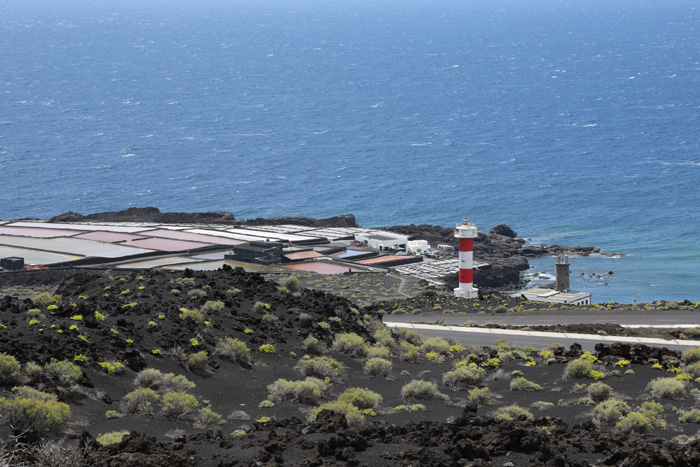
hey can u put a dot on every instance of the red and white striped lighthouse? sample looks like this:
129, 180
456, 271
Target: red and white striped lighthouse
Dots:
466, 232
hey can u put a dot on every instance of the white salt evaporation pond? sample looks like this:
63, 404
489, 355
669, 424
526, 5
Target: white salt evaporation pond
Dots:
72, 246
84, 227
35, 257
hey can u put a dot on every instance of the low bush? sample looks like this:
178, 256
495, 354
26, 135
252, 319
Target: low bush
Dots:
213, 306
311, 344
691, 355
542, 405
378, 367
481, 396
512, 412
9, 366
610, 411
579, 368
693, 369
666, 388
113, 437
63, 372
196, 361
411, 336
238, 415
206, 417
379, 351
523, 384
384, 336
467, 375
634, 421
25, 413
351, 344
163, 382
267, 348
179, 405
192, 315
307, 391
599, 391
361, 398
31, 393
141, 401
690, 416
113, 368
352, 414
652, 410
419, 389
233, 349
323, 367
435, 344
409, 352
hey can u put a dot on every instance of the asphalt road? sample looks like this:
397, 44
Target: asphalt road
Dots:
530, 318
450, 326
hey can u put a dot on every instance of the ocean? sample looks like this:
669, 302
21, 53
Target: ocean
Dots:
574, 123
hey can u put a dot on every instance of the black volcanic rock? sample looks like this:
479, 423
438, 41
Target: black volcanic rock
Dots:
149, 214
502, 229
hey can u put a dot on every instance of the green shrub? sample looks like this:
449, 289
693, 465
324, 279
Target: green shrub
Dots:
111, 414
310, 344
671, 305
690, 416
32, 369
193, 315
379, 351
523, 384
25, 413
691, 355
307, 391
666, 388
437, 345
64, 372
579, 368
206, 417
599, 391
419, 389
466, 375
411, 336
323, 367
179, 405
260, 307
594, 374
481, 396
9, 366
634, 421
500, 309
213, 306
378, 367
352, 414
542, 405
238, 415
351, 344
693, 369
361, 398
384, 336
44, 298
512, 412
652, 410
610, 411
114, 437
168, 382
233, 349
291, 283
31, 393
267, 348
113, 368
195, 361
140, 401
409, 352
323, 325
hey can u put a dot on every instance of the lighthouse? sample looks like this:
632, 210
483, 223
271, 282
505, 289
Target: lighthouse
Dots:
466, 232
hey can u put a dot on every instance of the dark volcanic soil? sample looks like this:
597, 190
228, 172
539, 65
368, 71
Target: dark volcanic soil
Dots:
140, 323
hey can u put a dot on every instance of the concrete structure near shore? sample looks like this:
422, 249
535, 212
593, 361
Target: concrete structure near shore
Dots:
561, 292
466, 233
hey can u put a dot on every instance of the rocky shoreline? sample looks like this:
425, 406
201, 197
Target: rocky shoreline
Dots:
505, 253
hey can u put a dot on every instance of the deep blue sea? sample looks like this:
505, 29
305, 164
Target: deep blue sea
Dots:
573, 122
